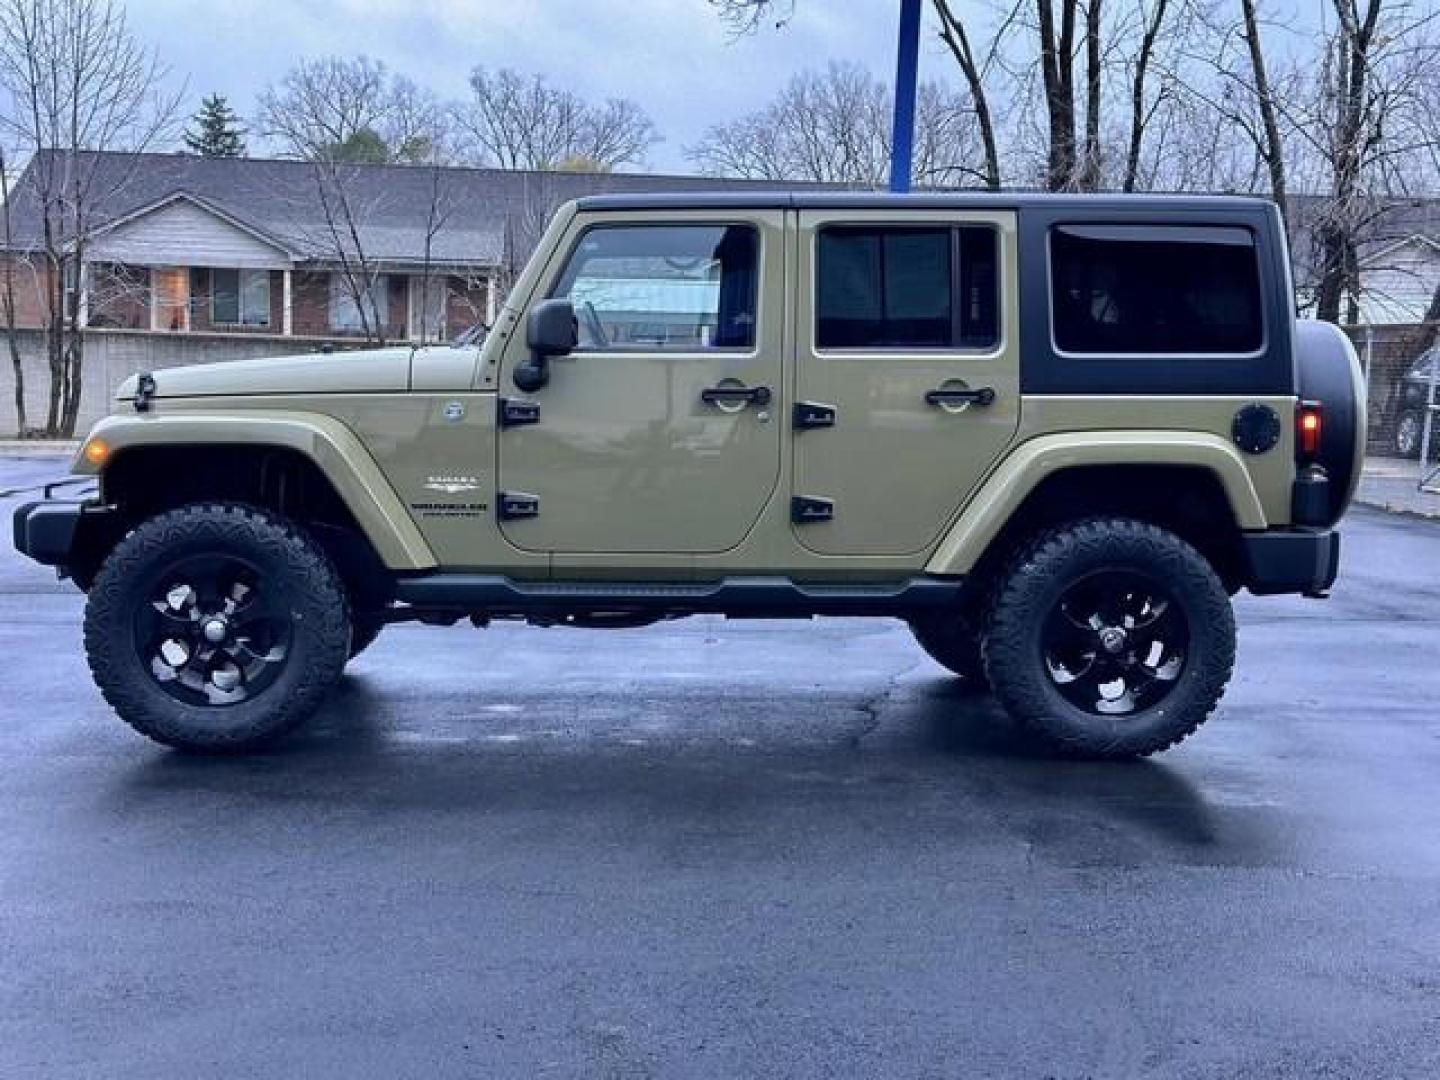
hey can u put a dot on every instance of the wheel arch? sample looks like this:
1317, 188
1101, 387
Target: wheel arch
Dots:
311, 468
1193, 484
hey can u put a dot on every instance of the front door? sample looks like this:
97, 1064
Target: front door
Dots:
907, 382
660, 432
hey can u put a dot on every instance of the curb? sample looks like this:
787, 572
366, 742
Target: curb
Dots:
19, 448
1394, 508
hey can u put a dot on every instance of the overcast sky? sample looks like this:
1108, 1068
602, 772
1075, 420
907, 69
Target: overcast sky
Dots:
675, 57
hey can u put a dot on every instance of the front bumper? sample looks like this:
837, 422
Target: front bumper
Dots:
69, 534
45, 531
1304, 561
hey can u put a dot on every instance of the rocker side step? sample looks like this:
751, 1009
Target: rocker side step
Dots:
774, 597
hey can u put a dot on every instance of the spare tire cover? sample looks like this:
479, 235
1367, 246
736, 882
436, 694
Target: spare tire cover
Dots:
1330, 374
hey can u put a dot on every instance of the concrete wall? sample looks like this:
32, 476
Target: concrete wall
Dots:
113, 355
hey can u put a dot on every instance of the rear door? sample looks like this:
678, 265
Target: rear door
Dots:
907, 380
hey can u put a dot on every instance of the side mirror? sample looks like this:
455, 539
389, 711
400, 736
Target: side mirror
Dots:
550, 330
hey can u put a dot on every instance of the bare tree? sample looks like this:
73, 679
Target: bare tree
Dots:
77, 81
517, 122
352, 108
1269, 144
834, 126
1056, 58
526, 218
7, 296
416, 126
744, 16
976, 72
342, 234
437, 214
1366, 126
1057, 69
1231, 97
1141, 108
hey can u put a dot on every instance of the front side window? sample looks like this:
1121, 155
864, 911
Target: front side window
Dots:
675, 287
906, 287
240, 297
1125, 290
345, 307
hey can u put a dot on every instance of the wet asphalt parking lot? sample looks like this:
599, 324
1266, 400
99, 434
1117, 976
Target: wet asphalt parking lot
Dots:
731, 849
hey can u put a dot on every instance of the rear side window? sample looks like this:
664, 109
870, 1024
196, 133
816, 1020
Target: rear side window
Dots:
1124, 290
906, 287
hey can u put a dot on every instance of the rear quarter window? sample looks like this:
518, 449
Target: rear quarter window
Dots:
1142, 290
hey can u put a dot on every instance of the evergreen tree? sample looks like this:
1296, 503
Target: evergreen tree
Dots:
363, 147
219, 132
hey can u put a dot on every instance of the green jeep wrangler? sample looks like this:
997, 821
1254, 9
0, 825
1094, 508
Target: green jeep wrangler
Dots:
1054, 434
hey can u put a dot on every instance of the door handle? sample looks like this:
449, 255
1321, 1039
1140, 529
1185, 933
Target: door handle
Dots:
982, 397
752, 395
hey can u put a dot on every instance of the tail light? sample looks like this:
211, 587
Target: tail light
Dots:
1309, 426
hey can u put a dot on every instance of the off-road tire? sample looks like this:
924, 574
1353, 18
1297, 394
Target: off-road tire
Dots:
294, 565
1034, 582
950, 640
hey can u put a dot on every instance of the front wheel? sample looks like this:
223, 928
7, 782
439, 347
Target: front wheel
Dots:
216, 627
1110, 638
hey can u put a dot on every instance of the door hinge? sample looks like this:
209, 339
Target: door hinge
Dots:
813, 414
805, 510
513, 505
515, 412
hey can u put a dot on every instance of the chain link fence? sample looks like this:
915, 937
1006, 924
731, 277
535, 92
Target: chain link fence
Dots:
1402, 372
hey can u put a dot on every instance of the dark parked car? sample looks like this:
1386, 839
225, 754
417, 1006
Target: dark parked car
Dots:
1417, 385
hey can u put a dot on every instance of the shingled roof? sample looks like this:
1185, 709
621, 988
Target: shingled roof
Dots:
283, 199
484, 208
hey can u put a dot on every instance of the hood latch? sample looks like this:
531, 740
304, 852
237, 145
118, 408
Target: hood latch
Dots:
144, 391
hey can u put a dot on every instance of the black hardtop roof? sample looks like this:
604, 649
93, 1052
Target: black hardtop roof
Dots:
929, 200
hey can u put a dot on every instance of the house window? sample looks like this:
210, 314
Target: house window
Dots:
427, 307
169, 298
240, 297
345, 311
1161, 290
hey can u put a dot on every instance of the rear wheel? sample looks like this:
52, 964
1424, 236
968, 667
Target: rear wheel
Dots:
1110, 638
216, 627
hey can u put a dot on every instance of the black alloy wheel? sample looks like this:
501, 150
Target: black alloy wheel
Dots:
214, 631
1115, 642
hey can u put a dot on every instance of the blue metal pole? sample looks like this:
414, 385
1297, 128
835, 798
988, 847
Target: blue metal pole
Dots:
902, 131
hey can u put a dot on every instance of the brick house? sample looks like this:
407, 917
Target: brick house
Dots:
190, 246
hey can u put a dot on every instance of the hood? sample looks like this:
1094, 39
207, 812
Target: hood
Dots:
372, 370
